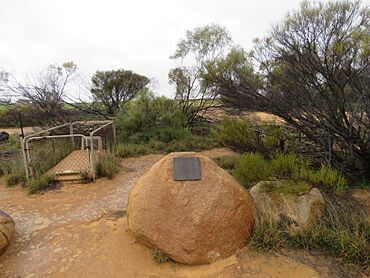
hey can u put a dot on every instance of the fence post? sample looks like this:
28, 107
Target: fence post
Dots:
114, 136
72, 138
24, 158
92, 164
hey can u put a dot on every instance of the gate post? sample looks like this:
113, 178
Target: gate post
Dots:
72, 138
92, 162
24, 157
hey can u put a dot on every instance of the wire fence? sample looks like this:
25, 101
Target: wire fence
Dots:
69, 149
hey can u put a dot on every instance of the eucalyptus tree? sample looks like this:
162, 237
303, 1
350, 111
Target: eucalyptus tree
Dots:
312, 70
115, 88
199, 47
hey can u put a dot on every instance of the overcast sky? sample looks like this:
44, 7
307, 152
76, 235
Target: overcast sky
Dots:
110, 34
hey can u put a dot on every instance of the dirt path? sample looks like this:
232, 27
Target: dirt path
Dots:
80, 230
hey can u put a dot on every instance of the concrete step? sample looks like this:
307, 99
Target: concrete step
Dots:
68, 177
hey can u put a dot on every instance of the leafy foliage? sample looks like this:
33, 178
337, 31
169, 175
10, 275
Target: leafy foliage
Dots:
107, 165
243, 136
228, 162
312, 70
149, 117
342, 231
251, 168
116, 87
41, 183
201, 46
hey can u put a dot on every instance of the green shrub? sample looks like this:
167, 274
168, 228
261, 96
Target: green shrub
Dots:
151, 118
362, 184
242, 136
167, 135
228, 162
15, 172
86, 177
329, 178
14, 142
342, 231
238, 134
252, 167
292, 187
42, 183
267, 234
272, 134
284, 165
188, 143
107, 166
12, 180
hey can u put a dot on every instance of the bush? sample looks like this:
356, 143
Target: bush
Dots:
151, 118
189, 143
228, 162
328, 178
292, 187
252, 167
41, 183
14, 170
343, 231
242, 136
284, 165
267, 234
107, 166
86, 177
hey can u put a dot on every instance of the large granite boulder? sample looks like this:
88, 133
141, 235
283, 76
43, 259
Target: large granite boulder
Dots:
6, 231
274, 201
192, 221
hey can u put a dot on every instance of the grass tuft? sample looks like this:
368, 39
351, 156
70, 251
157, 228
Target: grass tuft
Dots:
107, 165
42, 183
343, 231
251, 168
159, 256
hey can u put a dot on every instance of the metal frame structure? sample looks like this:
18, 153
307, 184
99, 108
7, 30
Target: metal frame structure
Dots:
87, 142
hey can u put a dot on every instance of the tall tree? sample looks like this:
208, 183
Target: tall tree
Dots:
46, 91
116, 87
313, 71
200, 46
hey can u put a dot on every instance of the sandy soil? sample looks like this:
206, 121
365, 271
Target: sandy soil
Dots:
80, 230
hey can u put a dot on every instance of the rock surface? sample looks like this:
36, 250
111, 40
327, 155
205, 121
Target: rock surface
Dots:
193, 222
298, 210
6, 231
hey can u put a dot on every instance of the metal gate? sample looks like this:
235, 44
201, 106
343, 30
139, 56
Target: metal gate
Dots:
67, 149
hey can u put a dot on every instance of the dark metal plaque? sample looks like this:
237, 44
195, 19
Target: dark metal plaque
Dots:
186, 168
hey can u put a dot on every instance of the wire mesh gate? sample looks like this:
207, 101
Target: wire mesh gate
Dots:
68, 149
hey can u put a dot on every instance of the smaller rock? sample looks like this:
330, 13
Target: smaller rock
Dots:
298, 210
7, 228
4, 136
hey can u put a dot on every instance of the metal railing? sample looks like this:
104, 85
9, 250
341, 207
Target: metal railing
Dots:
44, 150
